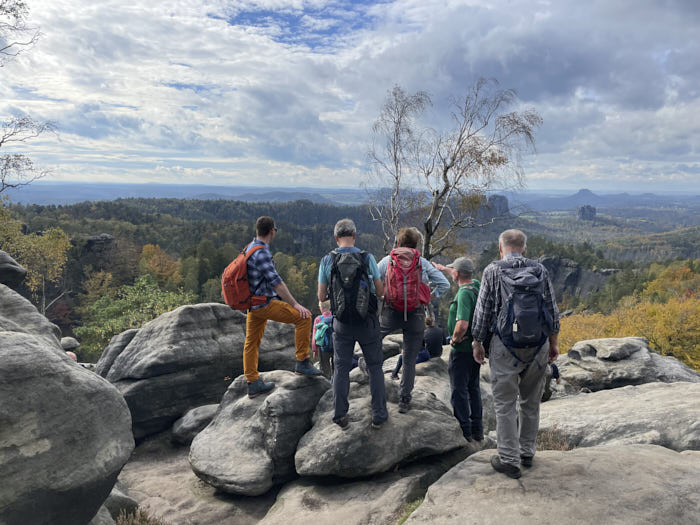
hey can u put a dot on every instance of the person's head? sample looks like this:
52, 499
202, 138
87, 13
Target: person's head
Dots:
428, 321
463, 269
72, 355
345, 231
512, 241
408, 238
325, 306
265, 227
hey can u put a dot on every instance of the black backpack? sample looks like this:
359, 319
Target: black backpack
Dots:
523, 320
349, 291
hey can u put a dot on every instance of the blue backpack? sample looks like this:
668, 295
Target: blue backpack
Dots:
324, 333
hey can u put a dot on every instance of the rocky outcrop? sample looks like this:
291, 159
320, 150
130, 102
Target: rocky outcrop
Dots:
69, 343
11, 272
64, 437
586, 212
182, 360
192, 423
665, 414
19, 315
380, 500
119, 501
250, 444
570, 278
598, 364
640, 484
429, 428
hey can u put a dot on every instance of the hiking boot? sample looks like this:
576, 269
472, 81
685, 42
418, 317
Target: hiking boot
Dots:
394, 377
478, 435
468, 437
305, 368
343, 422
504, 468
258, 387
404, 406
526, 461
377, 423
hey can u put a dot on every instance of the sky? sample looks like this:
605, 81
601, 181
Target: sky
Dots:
281, 93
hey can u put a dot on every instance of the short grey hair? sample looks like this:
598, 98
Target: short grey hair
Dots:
344, 228
514, 239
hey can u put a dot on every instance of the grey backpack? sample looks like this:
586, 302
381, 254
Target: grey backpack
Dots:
523, 320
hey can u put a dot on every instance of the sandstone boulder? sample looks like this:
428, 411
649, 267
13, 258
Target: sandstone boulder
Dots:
64, 437
192, 423
666, 414
184, 359
599, 364
379, 500
250, 444
19, 315
69, 343
103, 517
640, 484
429, 428
119, 501
11, 272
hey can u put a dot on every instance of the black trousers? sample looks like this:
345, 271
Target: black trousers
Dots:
466, 393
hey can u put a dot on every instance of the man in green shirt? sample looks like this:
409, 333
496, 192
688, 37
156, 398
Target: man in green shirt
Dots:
464, 371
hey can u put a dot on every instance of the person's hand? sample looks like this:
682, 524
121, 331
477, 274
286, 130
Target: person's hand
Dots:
553, 353
479, 353
441, 267
303, 312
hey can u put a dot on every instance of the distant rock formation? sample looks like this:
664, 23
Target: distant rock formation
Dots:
622, 484
11, 272
569, 277
250, 444
180, 360
65, 432
495, 206
586, 212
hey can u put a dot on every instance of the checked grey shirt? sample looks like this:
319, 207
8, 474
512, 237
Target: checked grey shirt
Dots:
488, 303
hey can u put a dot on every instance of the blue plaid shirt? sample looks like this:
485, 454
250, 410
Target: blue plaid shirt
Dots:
262, 276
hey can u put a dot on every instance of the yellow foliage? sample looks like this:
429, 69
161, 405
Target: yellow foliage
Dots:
166, 270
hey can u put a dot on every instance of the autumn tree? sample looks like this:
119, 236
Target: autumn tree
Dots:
165, 269
16, 35
442, 175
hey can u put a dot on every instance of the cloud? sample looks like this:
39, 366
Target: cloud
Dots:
291, 87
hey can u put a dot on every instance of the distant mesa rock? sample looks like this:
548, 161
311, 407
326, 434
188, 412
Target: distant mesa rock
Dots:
586, 212
250, 444
429, 428
180, 360
377, 500
569, 277
69, 343
17, 314
599, 364
494, 207
192, 423
96, 242
11, 272
615, 484
64, 437
665, 414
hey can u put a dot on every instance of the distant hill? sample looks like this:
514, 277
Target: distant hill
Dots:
538, 202
683, 243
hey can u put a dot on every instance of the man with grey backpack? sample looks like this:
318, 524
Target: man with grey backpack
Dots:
350, 278
517, 310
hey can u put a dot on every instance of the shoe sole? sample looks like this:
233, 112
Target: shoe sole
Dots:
510, 474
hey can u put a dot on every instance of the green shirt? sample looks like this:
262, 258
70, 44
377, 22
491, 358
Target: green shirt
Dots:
462, 309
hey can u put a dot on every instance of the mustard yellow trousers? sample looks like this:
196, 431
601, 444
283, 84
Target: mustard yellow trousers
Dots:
255, 329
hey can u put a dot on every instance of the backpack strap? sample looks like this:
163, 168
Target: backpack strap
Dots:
248, 252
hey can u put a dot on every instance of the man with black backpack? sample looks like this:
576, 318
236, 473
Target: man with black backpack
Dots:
350, 278
517, 307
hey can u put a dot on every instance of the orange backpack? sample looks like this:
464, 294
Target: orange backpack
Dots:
234, 283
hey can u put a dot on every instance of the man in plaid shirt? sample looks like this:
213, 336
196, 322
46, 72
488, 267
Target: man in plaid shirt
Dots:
279, 305
514, 371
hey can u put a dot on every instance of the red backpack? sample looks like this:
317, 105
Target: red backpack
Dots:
234, 283
404, 289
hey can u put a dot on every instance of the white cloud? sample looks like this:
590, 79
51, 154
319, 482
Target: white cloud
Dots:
290, 88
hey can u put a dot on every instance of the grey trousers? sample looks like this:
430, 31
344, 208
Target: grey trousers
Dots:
516, 423
412, 329
344, 338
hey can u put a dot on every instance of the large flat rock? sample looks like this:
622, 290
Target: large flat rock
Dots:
635, 484
666, 414
186, 358
65, 434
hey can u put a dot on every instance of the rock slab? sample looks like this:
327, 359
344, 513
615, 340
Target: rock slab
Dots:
666, 414
250, 444
65, 433
19, 315
11, 272
637, 484
184, 359
192, 423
